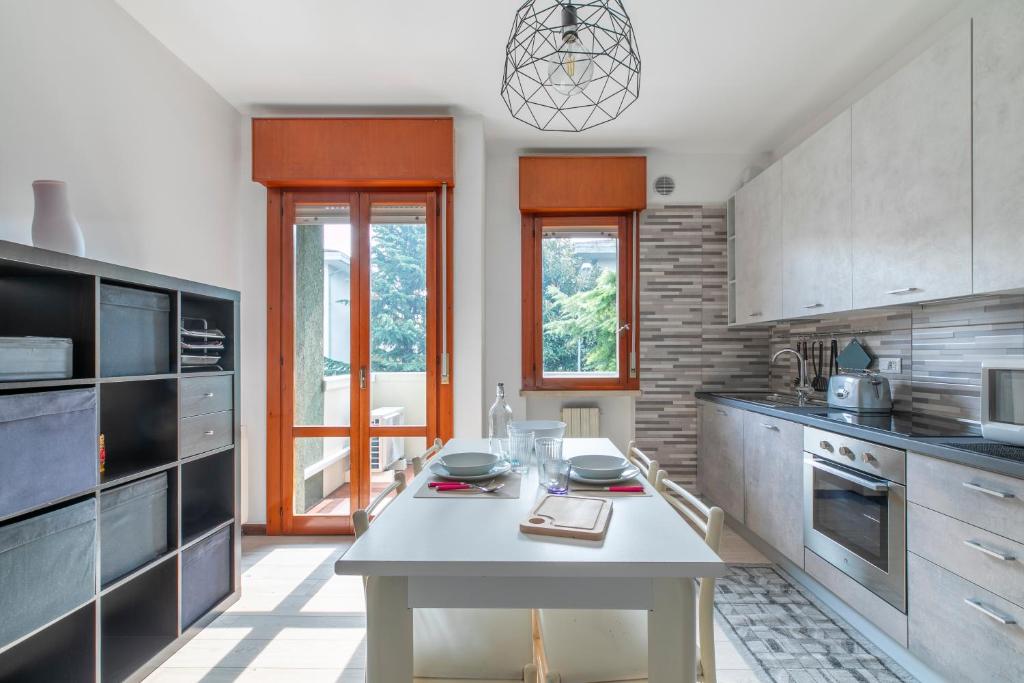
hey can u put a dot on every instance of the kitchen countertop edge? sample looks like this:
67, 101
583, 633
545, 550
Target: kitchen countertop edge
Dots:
930, 446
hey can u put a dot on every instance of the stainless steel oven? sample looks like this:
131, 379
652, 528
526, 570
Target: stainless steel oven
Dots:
855, 511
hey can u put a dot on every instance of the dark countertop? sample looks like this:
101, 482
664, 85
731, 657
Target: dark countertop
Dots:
935, 446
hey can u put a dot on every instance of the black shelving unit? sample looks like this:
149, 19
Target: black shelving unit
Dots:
133, 623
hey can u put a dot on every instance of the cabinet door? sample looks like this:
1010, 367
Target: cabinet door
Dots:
774, 483
759, 248
998, 146
912, 180
720, 457
817, 262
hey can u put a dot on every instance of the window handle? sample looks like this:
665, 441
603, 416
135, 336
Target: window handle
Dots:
362, 378
623, 327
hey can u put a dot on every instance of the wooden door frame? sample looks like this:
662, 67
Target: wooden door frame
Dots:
280, 340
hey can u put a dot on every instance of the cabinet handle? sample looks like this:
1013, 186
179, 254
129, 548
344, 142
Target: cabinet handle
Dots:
208, 432
768, 426
905, 290
721, 412
990, 613
208, 394
755, 314
991, 552
814, 306
990, 492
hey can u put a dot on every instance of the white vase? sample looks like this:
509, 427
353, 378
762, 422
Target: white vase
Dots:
53, 225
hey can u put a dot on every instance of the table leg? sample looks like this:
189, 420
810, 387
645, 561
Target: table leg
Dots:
672, 633
388, 630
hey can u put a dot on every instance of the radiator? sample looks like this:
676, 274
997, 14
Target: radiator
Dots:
582, 422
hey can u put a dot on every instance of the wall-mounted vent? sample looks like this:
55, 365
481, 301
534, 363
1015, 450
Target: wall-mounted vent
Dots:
664, 185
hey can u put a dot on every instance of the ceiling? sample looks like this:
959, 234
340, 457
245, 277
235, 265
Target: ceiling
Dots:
719, 76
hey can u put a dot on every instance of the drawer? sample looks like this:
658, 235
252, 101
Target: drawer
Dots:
204, 433
958, 639
202, 395
993, 502
990, 561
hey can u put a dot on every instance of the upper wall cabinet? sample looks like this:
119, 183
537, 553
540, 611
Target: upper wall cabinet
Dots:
912, 180
816, 196
759, 248
998, 146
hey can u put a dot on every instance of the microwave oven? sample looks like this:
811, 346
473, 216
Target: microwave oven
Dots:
1002, 400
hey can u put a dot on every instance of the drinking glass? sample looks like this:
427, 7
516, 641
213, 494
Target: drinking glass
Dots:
553, 469
520, 450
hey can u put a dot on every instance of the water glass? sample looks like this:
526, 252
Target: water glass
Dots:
520, 450
553, 469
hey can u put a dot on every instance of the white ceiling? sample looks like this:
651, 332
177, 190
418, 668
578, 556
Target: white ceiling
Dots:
727, 76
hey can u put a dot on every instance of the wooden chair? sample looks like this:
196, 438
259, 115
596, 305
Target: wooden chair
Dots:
648, 467
460, 645
610, 646
420, 461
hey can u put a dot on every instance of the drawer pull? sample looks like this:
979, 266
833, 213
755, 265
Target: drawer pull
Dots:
208, 432
768, 426
991, 492
989, 551
208, 394
990, 613
904, 290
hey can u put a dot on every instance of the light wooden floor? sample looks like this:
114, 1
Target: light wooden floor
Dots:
297, 621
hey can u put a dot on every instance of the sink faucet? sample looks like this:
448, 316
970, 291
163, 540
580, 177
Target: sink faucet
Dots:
804, 389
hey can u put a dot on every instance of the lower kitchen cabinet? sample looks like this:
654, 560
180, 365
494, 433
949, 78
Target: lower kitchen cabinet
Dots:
773, 482
962, 631
720, 457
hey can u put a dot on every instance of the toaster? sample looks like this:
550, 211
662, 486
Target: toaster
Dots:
860, 392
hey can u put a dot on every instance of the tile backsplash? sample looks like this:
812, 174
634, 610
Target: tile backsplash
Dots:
941, 346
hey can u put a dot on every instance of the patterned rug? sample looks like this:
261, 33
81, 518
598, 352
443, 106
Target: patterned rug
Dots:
788, 636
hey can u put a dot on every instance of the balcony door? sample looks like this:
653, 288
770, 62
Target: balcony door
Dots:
359, 382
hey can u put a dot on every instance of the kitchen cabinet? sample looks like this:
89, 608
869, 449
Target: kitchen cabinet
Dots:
998, 145
720, 457
817, 265
758, 248
911, 230
773, 482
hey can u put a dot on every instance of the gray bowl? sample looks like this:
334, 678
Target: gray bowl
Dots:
599, 466
469, 464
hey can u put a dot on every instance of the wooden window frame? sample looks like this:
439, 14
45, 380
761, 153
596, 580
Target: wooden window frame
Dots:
533, 227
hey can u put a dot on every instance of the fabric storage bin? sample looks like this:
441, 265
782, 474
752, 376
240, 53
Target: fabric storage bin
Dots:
133, 526
205, 575
47, 567
48, 446
31, 358
135, 331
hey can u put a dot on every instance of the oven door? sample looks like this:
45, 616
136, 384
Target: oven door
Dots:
857, 522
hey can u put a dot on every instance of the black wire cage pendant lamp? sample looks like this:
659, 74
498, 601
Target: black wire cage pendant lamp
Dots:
570, 66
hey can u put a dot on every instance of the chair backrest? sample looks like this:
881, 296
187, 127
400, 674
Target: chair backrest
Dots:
420, 461
706, 519
648, 466
361, 518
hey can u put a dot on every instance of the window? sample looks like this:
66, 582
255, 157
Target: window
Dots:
579, 303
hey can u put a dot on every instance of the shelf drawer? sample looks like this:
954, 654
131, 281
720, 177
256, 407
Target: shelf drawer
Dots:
203, 395
204, 433
993, 502
958, 640
205, 575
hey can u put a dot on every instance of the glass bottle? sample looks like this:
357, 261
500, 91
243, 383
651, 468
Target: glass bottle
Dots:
499, 418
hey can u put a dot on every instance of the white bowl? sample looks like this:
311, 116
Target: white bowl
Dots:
540, 428
599, 466
469, 464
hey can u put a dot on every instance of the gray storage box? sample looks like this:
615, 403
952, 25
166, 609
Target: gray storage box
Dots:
135, 332
31, 358
47, 567
133, 526
205, 575
48, 444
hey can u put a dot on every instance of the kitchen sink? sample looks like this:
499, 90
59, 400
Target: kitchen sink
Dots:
776, 400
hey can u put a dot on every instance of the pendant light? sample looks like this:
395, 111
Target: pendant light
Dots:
570, 66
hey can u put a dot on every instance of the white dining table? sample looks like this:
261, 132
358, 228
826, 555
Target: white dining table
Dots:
470, 553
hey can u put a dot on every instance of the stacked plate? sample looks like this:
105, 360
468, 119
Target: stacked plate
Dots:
602, 469
469, 466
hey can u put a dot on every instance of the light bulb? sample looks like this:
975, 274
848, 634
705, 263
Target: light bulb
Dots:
571, 67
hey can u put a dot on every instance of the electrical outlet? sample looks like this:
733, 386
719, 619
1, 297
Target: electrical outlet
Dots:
890, 366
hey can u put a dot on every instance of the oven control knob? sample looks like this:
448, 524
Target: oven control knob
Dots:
825, 445
843, 450
870, 459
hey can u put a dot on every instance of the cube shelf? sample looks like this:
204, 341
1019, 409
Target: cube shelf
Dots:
64, 651
207, 490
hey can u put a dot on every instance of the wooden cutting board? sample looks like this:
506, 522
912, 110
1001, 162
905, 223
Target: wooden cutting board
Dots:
569, 517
